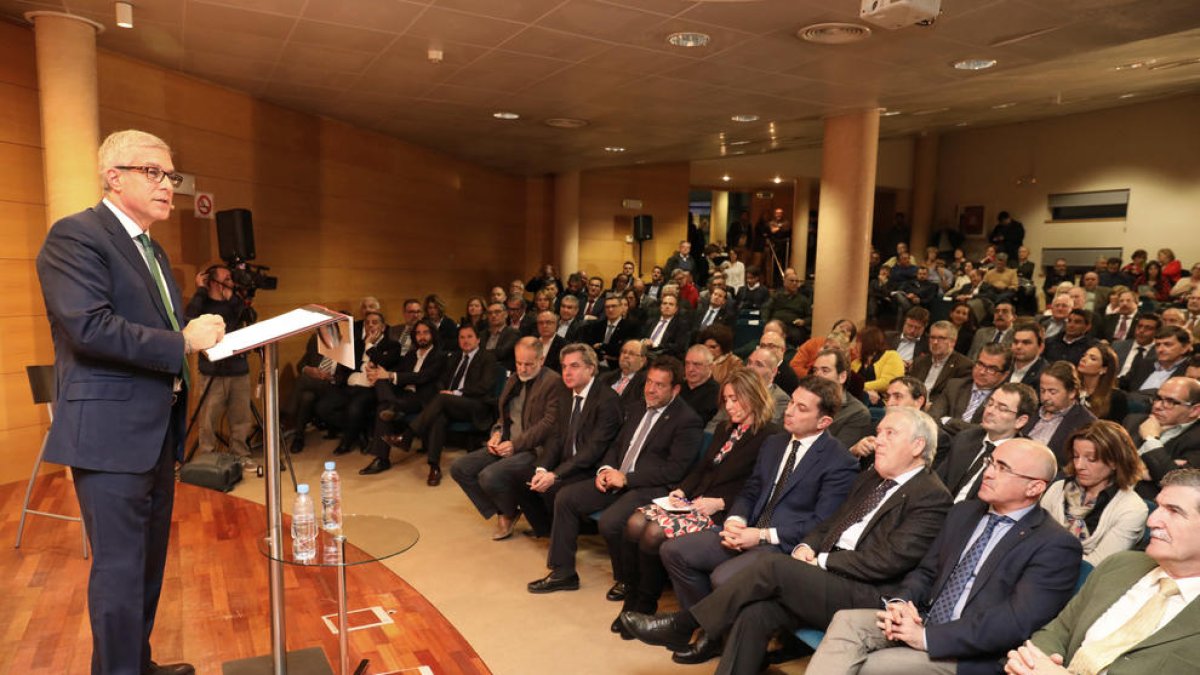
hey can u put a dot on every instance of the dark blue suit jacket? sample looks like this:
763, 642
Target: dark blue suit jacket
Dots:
1023, 584
816, 488
116, 355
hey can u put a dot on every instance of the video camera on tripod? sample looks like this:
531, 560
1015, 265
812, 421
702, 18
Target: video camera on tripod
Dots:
235, 239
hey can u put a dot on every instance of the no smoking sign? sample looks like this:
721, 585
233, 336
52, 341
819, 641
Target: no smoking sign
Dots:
204, 205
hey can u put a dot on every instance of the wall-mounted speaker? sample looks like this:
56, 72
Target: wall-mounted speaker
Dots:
235, 234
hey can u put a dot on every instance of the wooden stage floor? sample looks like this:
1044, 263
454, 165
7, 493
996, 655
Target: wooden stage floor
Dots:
214, 606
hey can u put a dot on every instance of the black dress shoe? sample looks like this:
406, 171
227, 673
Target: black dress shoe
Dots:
435, 476
549, 584
666, 630
617, 593
342, 449
172, 669
297, 445
699, 651
388, 414
619, 628
377, 465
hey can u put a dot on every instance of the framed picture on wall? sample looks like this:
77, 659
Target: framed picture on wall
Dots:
970, 220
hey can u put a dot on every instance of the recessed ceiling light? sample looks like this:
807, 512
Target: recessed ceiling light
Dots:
739, 142
566, 123
124, 14
963, 124
506, 115
777, 180
613, 148
891, 113
834, 33
1127, 95
1002, 106
1134, 65
689, 39
745, 118
726, 178
1174, 64
974, 64
931, 111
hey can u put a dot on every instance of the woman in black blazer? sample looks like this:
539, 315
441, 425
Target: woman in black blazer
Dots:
700, 501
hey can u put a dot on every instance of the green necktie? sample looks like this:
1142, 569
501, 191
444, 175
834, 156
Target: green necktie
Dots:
152, 262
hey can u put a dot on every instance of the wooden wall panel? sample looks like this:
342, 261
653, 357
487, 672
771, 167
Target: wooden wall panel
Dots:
603, 222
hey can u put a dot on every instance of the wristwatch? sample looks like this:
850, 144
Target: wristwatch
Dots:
764, 537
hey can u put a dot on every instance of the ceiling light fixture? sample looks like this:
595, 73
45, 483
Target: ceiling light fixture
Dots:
689, 39
1174, 64
124, 14
1134, 65
506, 115
739, 142
1127, 96
891, 113
566, 123
744, 118
613, 148
777, 180
974, 64
726, 178
931, 111
1002, 106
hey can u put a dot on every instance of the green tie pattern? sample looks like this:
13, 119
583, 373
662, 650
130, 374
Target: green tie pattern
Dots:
152, 263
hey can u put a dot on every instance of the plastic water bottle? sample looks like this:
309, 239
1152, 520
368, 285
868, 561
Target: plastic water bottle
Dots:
331, 500
304, 525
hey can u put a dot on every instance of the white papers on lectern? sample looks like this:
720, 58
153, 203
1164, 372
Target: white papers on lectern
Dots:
335, 339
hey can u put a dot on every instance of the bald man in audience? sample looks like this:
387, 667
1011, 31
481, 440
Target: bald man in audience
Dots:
1137, 613
1000, 568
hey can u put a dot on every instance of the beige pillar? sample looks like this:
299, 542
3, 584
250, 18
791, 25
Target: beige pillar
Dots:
848, 159
801, 205
566, 221
718, 223
924, 184
66, 67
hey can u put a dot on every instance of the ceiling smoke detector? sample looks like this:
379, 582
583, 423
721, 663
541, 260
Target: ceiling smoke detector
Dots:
834, 33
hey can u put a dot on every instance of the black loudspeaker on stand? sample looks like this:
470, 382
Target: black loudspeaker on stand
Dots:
235, 234
643, 229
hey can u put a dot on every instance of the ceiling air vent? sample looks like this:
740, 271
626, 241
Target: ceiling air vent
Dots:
834, 33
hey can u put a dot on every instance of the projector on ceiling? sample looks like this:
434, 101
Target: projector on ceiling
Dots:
893, 14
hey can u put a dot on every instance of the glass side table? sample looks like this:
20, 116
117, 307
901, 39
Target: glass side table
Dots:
399, 536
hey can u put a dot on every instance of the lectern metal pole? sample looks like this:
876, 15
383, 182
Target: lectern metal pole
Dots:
274, 512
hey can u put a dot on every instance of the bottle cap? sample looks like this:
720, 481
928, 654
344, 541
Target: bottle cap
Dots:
329, 466
302, 489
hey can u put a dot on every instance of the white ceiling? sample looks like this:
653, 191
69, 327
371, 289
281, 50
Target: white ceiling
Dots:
607, 61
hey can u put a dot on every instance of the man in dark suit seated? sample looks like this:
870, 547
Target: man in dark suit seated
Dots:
916, 292
850, 560
1056, 322
1005, 413
404, 391
1137, 613
700, 390
1169, 437
1000, 568
120, 362
852, 422
1000, 331
1139, 346
942, 363
1061, 413
593, 303
800, 479
568, 318
466, 396
754, 294
961, 405
528, 410
1073, 341
1120, 325
651, 454
589, 419
499, 338
1027, 345
1172, 347
716, 309
910, 342
903, 392
670, 333
628, 380
552, 344
518, 319
607, 336
792, 307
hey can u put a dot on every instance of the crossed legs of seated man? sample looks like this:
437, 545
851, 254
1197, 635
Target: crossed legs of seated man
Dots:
431, 425
773, 593
697, 562
573, 503
399, 404
492, 482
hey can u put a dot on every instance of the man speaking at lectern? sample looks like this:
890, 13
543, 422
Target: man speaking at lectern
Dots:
120, 359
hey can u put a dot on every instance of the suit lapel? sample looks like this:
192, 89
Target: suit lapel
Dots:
1019, 532
1182, 626
133, 255
896, 500
807, 462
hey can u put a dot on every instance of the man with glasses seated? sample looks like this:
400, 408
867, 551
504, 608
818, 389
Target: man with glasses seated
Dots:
1004, 415
961, 405
1172, 347
1168, 438
941, 364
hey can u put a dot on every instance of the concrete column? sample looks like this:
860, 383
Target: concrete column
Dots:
924, 183
70, 114
848, 159
801, 205
566, 221
718, 224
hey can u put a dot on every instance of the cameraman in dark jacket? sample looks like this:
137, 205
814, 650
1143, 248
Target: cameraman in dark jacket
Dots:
224, 384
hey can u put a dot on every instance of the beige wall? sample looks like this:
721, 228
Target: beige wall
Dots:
604, 223
338, 212
1153, 149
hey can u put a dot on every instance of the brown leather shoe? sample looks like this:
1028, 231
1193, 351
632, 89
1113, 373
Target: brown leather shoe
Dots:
435, 476
504, 528
172, 669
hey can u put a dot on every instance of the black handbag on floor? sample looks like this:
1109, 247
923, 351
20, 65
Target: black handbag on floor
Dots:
213, 470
